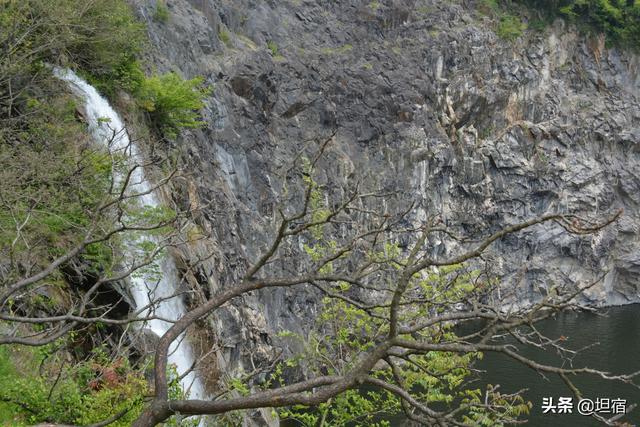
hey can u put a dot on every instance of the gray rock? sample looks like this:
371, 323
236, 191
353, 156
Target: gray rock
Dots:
432, 105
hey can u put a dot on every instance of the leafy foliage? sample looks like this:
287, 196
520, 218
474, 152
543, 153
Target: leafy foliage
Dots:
273, 47
55, 181
619, 20
172, 102
53, 177
510, 27
100, 37
82, 394
86, 393
224, 36
161, 14
440, 379
352, 407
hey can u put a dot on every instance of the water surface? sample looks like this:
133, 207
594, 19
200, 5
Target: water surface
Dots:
617, 334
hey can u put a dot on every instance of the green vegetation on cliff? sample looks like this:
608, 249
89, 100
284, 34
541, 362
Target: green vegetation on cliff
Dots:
53, 175
83, 394
57, 192
172, 102
99, 38
618, 20
95, 389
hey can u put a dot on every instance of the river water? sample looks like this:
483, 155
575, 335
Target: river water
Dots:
617, 333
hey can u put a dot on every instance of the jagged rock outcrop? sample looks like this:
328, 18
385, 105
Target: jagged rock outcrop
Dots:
480, 131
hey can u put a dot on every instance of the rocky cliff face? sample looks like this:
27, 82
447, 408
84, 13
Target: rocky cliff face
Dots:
426, 98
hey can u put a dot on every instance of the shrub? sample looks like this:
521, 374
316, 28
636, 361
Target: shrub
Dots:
127, 76
108, 36
510, 27
84, 394
161, 14
52, 177
172, 102
618, 20
54, 182
224, 36
489, 6
101, 38
273, 47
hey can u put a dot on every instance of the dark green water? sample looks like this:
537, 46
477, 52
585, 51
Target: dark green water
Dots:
617, 330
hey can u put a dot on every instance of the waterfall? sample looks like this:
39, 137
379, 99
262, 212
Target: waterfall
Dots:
107, 128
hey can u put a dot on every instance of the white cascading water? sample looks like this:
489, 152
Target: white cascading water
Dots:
107, 128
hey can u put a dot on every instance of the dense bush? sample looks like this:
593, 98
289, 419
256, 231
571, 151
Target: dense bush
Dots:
53, 177
100, 37
161, 14
619, 20
510, 27
83, 394
172, 102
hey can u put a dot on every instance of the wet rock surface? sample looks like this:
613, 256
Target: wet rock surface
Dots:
477, 130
